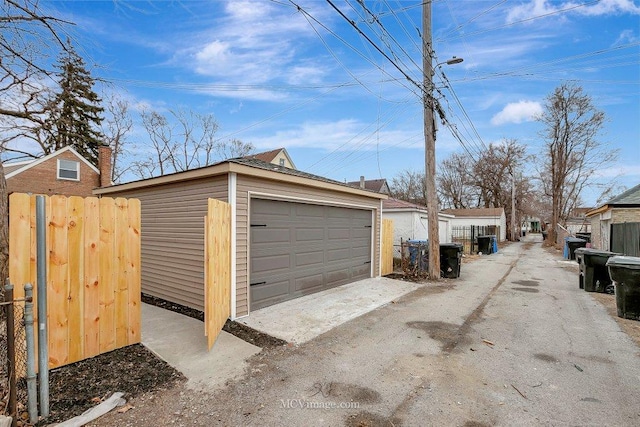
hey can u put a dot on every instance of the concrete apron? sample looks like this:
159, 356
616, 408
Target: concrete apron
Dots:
302, 319
179, 340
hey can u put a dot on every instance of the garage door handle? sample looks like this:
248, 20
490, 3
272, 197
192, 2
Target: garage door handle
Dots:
367, 262
367, 226
258, 225
259, 283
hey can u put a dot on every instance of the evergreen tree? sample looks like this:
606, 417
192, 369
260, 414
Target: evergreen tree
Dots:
75, 118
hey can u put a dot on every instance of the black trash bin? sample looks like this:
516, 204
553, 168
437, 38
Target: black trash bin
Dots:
450, 260
580, 258
544, 235
574, 243
625, 272
484, 244
596, 273
585, 236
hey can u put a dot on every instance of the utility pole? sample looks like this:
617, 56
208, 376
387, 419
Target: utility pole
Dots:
430, 143
513, 207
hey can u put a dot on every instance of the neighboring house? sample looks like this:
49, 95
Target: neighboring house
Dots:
63, 172
377, 185
485, 217
278, 157
292, 233
615, 225
410, 222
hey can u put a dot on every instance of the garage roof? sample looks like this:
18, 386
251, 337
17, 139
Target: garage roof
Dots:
243, 166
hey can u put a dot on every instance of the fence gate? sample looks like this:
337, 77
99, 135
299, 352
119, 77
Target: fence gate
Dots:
217, 288
625, 238
387, 247
93, 271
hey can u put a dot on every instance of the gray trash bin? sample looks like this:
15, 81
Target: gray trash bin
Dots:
625, 272
579, 257
596, 273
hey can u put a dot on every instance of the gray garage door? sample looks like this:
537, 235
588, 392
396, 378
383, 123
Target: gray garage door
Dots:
297, 249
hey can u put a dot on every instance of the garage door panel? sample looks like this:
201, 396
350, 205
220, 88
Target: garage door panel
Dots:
309, 283
310, 259
271, 263
338, 254
270, 235
271, 293
309, 234
339, 233
329, 246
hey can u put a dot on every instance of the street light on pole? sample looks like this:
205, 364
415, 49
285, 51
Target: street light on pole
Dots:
430, 140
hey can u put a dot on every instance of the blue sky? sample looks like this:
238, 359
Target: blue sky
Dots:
278, 76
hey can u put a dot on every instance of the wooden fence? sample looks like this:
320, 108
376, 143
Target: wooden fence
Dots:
387, 247
93, 271
217, 288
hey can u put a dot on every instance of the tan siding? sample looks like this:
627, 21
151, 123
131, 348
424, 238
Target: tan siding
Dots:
622, 215
173, 237
246, 184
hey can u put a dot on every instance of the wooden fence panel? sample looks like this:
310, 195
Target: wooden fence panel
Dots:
93, 271
217, 291
387, 247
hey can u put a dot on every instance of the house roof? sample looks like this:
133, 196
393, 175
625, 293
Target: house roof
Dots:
245, 166
401, 204
269, 156
370, 184
630, 198
482, 212
11, 170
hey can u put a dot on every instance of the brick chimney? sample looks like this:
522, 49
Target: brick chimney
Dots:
362, 181
104, 165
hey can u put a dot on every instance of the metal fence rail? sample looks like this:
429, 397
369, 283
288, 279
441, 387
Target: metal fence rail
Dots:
467, 235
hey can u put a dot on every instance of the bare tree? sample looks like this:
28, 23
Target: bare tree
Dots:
26, 37
572, 151
182, 141
456, 184
409, 186
115, 127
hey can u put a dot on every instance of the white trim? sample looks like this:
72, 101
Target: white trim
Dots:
50, 156
77, 178
232, 200
271, 196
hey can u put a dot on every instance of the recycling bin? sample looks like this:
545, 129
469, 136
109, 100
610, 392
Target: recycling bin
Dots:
580, 258
419, 253
484, 244
596, 274
571, 244
494, 244
450, 260
625, 272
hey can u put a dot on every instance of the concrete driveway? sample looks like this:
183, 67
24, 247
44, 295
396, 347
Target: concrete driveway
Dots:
514, 342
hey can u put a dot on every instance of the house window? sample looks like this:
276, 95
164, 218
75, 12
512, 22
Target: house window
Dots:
68, 169
281, 162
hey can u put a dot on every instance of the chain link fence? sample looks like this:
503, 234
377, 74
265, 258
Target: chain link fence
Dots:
20, 350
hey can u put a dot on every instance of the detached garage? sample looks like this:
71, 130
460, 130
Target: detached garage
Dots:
292, 233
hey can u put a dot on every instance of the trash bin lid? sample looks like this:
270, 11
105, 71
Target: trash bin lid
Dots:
631, 262
575, 240
420, 242
451, 245
581, 251
596, 252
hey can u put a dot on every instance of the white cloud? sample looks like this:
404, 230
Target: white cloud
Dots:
517, 112
625, 37
539, 8
341, 135
619, 171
